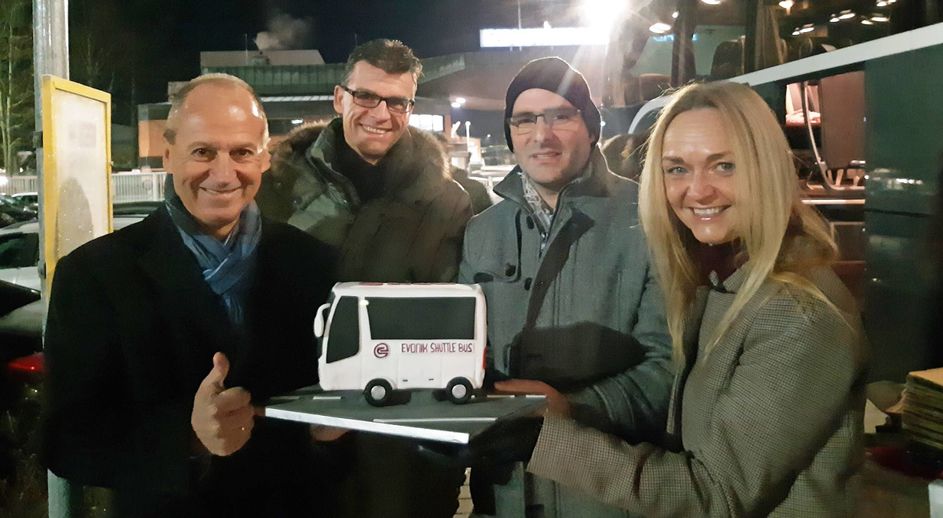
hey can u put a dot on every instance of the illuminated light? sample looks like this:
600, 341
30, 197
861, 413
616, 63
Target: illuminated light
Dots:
460, 100
796, 32
807, 28
659, 28
865, 21
880, 18
426, 121
540, 37
456, 104
602, 124
674, 15
547, 25
881, 3
846, 14
786, 4
711, 2
834, 19
600, 14
297, 121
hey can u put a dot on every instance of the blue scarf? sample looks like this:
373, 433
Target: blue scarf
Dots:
227, 265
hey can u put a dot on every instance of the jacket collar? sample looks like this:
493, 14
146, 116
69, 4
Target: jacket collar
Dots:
732, 284
415, 168
594, 181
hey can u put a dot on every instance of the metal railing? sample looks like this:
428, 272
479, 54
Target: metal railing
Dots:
125, 187
137, 187
18, 184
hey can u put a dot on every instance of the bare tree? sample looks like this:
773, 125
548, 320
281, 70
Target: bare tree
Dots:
16, 80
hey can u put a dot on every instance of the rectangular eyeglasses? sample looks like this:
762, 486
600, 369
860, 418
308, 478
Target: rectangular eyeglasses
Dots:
372, 100
555, 118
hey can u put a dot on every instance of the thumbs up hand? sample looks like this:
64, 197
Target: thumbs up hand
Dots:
222, 418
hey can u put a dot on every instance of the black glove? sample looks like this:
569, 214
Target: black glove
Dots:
508, 440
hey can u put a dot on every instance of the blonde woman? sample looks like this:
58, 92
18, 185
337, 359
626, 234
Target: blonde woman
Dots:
767, 406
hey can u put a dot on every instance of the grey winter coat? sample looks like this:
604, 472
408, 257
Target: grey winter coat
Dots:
585, 316
412, 233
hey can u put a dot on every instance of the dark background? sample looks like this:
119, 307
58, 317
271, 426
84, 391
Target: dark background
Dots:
132, 48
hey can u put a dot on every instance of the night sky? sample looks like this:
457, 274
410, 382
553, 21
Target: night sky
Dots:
133, 47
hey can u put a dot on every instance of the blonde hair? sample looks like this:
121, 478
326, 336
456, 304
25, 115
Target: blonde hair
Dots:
781, 237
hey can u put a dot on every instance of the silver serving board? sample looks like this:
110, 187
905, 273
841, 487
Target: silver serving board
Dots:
422, 417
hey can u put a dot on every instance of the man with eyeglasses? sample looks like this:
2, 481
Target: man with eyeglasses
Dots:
162, 336
573, 309
367, 183
379, 192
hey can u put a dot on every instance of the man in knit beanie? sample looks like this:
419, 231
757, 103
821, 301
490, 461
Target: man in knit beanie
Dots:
573, 309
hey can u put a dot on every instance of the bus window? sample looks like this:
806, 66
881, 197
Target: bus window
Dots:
344, 338
422, 318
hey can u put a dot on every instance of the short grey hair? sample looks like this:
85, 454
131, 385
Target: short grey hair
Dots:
178, 98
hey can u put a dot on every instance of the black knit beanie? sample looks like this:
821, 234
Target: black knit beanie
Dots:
557, 76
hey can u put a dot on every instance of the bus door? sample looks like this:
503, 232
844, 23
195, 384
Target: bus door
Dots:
379, 356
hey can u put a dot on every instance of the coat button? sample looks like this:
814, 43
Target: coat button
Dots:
527, 282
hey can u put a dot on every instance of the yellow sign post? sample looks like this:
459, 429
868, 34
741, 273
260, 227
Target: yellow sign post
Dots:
76, 168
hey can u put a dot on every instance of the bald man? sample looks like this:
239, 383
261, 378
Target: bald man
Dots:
162, 336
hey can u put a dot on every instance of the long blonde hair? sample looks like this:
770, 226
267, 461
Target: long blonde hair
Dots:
781, 237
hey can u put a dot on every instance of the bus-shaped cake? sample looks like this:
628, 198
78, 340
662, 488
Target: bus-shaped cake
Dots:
381, 337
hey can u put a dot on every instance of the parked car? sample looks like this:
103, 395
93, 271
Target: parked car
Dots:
19, 243
27, 199
22, 476
19, 251
13, 210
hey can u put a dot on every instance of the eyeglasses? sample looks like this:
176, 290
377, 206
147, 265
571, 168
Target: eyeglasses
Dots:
372, 100
555, 118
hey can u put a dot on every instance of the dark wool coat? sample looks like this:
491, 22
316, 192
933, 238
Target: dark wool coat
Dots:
131, 332
412, 233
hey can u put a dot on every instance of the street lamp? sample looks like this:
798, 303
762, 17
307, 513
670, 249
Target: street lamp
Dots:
601, 14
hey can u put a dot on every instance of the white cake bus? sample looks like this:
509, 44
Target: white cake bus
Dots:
382, 337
